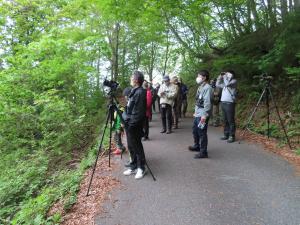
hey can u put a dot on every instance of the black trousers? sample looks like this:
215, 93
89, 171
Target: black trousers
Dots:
176, 115
228, 109
153, 104
200, 135
184, 106
166, 116
146, 127
135, 146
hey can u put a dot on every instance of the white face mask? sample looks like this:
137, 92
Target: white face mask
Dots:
199, 80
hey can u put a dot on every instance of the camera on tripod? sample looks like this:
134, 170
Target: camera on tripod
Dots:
264, 77
113, 85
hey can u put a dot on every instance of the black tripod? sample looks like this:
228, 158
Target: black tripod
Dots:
112, 108
267, 94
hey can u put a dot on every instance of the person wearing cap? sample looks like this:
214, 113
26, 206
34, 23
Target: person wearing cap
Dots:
167, 94
228, 83
203, 110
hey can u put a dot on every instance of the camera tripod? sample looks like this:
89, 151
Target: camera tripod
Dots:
112, 108
267, 93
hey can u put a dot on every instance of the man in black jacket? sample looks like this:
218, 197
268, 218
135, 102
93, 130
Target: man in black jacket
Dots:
135, 116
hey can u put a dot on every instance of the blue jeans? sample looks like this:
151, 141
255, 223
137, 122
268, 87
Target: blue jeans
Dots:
200, 135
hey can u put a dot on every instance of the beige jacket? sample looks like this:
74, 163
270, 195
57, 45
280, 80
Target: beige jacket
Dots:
167, 94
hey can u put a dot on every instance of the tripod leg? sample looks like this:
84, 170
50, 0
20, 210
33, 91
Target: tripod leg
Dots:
268, 111
253, 112
99, 150
281, 122
150, 170
111, 112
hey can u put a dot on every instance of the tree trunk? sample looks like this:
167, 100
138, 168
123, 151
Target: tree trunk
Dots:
232, 27
98, 74
283, 6
116, 54
166, 55
255, 14
152, 61
291, 4
236, 21
138, 57
249, 20
271, 12
297, 5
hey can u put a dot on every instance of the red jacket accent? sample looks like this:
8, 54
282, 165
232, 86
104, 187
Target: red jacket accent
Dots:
149, 103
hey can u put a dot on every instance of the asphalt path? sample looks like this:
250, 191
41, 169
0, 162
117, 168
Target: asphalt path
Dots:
239, 184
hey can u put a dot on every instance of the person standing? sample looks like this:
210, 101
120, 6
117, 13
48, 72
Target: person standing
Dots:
166, 93
184, 92
154, 96
157, 97
146, 86
203, 108
134, 118
217, 92
228, 83
177, 102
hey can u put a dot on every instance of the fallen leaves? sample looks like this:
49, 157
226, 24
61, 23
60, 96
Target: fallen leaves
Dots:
87, 207
272, 145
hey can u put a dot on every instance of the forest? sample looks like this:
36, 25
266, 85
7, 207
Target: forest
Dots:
55, 54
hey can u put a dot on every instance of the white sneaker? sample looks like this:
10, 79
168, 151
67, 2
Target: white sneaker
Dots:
140, 173
129, 172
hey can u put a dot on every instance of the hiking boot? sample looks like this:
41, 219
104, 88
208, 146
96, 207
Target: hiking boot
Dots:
140, 174
224, 138
201, 156
231, 139
163, 131
194, 149
129, 172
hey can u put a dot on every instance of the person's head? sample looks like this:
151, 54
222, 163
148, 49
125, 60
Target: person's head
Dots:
230, 74
174, 80
126, 92
146, 85
203, 76
166, 79
137, 79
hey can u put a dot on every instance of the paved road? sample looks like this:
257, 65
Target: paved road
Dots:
239, 184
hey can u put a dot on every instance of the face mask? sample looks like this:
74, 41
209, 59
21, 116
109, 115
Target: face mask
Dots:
229, 75
199, 80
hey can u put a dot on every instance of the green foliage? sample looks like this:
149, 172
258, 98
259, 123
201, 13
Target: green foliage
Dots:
53, 54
